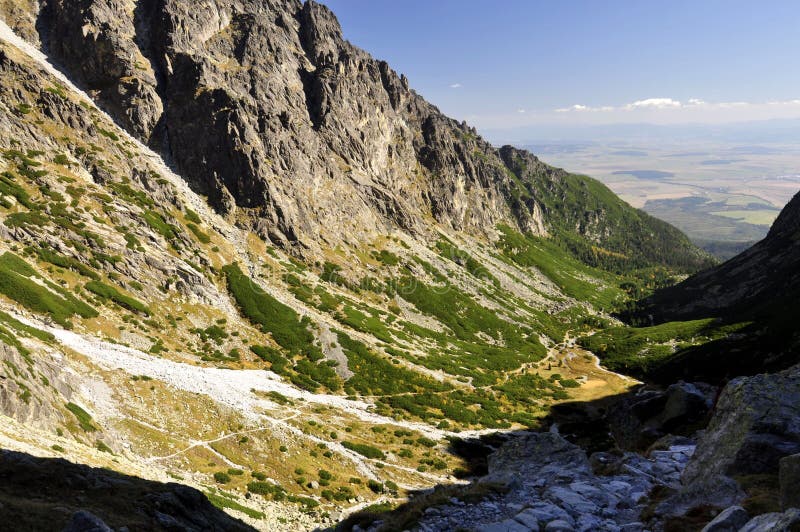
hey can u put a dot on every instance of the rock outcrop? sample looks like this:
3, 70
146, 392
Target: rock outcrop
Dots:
755, 424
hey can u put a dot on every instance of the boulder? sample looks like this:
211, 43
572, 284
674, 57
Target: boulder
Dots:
790, 481
537, 456
755, 424
509, 525
83, 521
788, 521
558, 526
730, 519
715, 491
540, 514
649, 415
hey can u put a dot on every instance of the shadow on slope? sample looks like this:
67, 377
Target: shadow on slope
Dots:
43, 494
582, 423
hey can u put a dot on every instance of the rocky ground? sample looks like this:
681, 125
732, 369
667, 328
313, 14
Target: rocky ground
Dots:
740, 473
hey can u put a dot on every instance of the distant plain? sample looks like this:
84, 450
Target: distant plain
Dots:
723, 195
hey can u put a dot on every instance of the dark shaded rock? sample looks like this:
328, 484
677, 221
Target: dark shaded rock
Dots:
755, 424
789, 475
83, 521
713, 491
536, 455
789, 521
729, 520
638, 421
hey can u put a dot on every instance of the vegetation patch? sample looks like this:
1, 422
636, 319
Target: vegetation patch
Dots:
107, 292
83, 417
17, 282
639, 350
365, 450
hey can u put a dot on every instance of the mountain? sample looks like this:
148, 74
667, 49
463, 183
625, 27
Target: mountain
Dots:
238, 253
268, 111
759, 287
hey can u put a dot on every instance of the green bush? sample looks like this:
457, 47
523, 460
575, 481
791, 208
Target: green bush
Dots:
365, 450
267, 489
375, 486
222, 477
106, 292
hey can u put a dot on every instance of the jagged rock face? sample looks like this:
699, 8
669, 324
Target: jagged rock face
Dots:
263, 105
755, 424
105, 58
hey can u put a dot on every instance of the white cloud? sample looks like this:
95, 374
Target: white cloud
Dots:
455, 86
576, 107
654, 103
651, 110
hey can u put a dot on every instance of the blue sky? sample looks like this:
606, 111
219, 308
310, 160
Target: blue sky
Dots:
512, 63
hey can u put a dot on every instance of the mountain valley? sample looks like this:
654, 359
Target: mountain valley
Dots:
249, 279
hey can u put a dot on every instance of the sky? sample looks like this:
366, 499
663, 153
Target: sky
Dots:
505, 64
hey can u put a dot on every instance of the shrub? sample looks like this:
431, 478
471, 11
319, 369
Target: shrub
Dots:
267, 489
426, 442
107, 292
365, 450
375, 486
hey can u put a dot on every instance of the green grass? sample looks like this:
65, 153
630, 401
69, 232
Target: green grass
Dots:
638, 350
107, 292
70, 263
476, 269
9, 187
573, 277
201, 236
223, 503
25, 329
193, 216
159, 225
16, 282
83, 417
